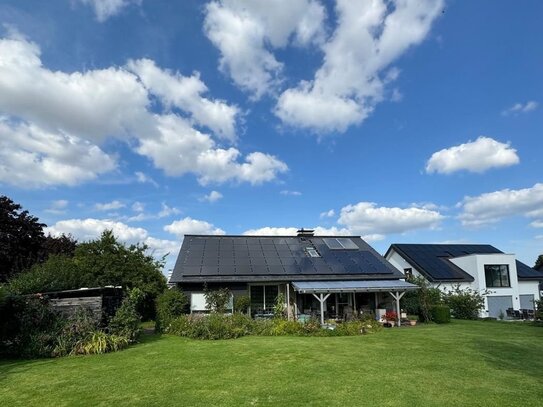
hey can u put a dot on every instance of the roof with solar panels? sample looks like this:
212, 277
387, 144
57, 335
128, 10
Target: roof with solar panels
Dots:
205, 258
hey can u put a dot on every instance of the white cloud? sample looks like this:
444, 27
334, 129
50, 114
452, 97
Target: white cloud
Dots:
109, 206
518, 108
189, 226
105, 9
328, 214
369, 36
85, 109
31, 157
88, 229
367, 218
272, 231
181, 149
185, 93
491, 207
537, 224
138, 206
475, 156
319, 231
290, 193
247, 32
143, 179
89, 105
213, 196
167, 211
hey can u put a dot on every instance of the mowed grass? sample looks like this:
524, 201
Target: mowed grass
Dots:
464, 363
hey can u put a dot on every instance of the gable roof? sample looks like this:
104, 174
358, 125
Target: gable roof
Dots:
432, 260
205, 258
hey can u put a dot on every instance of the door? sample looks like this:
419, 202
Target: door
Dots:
526, 301
499, 304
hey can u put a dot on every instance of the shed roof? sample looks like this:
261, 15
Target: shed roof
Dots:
309, 287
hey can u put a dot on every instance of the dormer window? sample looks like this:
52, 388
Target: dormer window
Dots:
312, 252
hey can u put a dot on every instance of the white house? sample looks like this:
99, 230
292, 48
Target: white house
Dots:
511, 284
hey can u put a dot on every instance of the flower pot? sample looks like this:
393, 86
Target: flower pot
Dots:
413, 322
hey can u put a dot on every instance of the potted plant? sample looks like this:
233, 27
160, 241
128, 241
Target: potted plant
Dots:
412, 320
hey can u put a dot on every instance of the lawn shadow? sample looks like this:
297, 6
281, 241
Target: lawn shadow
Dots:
511, 356
8, 366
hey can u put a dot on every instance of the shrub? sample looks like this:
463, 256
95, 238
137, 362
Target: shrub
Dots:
420, 301
441, 314
75, 329
99, 342
242, 304
169, 305
279, 306
126, 321
217, 300
465, 303
539, 309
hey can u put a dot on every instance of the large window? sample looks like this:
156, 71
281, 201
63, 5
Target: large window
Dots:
263, 298
497, 275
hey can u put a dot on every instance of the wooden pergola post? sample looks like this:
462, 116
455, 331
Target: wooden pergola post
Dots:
321, 297
397, 297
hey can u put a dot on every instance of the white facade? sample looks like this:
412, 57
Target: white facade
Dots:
474, 265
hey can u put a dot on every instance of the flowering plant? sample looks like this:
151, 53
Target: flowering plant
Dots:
391, 316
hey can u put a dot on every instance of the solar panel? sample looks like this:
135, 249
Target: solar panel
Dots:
333, 243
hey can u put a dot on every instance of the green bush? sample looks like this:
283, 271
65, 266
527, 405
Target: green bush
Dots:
126, 321
75, 330
420, 301
169, 305
242, 304
217, 299
441, 314
539, 309
464, 303
99, 342
219, 326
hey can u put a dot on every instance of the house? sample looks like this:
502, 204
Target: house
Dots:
325, 276
511, 284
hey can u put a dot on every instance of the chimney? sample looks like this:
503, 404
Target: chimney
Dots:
305, 232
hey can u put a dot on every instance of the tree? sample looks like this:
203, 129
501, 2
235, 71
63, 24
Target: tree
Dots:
539, 263
420, 301
21, 239
101, 262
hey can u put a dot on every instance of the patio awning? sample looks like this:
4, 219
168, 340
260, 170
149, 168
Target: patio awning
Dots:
311, 287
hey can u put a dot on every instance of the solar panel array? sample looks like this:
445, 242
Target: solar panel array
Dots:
433, 258
525, 271
250, 256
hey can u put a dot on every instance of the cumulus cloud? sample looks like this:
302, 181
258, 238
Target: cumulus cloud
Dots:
213, 196
90, 228
189, 226
104, 9
367, 218
109, 206
32, 157
181, 149
168, 211
475, 156
246, 33
138, 206
518, 108
491, 207
328, 214
185, 93
85, 109
58, 207
370, 35
319, 231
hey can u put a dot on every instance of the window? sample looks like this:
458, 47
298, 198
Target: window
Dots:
341, 243
497, 275
312, 252
408, 272
263, 298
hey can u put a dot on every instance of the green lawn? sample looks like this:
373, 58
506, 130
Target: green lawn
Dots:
463, 363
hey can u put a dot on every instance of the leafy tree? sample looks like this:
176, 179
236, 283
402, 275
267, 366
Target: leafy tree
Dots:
21, 239
101, 262
169, 305
539, 263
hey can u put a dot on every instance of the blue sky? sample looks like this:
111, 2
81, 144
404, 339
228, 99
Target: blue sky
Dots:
401, 121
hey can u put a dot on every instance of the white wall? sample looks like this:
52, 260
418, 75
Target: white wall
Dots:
529, 287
